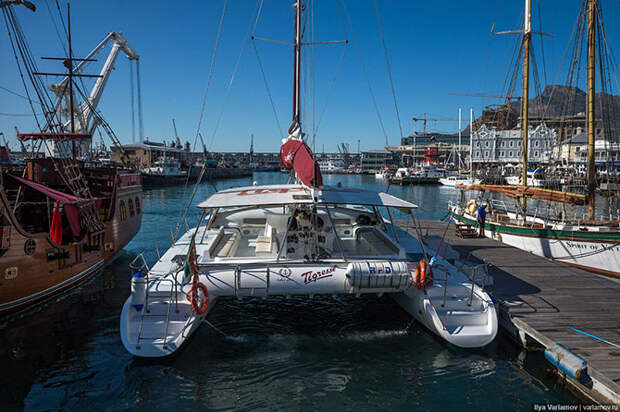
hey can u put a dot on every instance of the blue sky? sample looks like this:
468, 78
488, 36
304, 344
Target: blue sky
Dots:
435, 48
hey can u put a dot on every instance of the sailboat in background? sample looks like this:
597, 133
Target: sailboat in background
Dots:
588, 244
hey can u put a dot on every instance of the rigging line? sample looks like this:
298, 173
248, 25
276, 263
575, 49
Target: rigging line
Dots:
230, 83
329, 92
18, 114
542, 49
18, 95
7, 15
211, 68
60, 40
354, 40
313, 72
31, 67
62, 20
198, 181
573, 34
387, 62
273, 106
247, 35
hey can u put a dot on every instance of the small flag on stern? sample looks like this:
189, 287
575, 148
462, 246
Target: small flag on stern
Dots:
190, 270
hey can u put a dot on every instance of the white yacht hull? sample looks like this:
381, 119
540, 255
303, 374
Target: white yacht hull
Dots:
446, 181
163, 330
558, 243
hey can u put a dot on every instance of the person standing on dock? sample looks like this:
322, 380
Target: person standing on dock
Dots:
482, 215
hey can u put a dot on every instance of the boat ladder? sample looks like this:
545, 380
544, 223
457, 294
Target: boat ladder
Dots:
252, 282
155, 299
158, 298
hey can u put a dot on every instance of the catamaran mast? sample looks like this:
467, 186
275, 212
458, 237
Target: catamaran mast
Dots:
527, 34
590, 106
297, 70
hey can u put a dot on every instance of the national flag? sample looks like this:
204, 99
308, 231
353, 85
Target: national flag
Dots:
190, 270
56, 226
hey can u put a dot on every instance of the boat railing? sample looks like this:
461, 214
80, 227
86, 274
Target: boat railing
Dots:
152, 290
498, 205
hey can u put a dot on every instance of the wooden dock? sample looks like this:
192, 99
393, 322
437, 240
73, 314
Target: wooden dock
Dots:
542, 300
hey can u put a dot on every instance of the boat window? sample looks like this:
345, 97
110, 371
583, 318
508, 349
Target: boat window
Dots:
131, 209
123, 210
138, 211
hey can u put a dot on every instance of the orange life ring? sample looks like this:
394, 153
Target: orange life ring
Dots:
423, 274
199, 305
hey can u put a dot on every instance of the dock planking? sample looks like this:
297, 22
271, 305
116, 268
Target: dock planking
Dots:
546, 299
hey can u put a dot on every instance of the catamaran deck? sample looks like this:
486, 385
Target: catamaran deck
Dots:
541, 300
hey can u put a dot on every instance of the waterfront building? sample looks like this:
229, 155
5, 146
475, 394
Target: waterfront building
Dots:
145, 154
372, 160
575, 150
492, 146
415, 148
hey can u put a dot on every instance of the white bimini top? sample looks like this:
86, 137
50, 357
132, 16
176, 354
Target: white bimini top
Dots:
300, 194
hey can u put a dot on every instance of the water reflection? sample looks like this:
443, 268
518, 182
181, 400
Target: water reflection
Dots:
326, 353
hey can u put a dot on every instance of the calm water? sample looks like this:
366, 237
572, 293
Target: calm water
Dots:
326, 353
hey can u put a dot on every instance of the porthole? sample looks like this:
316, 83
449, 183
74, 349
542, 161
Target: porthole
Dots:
30, 246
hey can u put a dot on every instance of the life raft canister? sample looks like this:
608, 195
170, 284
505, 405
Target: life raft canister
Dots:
200, 304
423, 274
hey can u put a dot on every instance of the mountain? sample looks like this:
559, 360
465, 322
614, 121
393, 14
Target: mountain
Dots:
555, 102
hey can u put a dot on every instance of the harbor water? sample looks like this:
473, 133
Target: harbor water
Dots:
328, 353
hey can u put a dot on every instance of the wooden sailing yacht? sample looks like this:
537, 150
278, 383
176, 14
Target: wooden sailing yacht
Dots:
60, 221
588, 244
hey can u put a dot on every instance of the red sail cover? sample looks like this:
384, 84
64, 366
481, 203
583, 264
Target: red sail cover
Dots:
295, 154
56, 226
68, 201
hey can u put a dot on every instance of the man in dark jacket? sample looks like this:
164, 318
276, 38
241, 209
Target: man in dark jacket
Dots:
482, 215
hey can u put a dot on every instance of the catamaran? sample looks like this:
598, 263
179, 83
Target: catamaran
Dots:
305, 239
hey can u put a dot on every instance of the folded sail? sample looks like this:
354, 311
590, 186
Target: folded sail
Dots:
295, 154
531, 192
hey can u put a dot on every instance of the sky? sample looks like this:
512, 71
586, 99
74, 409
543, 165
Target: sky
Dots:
434, 48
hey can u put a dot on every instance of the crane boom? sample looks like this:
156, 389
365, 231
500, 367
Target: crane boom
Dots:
425, 119
87, 124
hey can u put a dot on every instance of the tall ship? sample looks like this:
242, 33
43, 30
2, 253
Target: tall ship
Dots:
60, 219
586, 242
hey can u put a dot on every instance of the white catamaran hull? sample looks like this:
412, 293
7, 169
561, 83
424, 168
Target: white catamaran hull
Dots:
164, 319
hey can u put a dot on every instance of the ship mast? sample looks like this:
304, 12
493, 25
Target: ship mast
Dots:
590, 106
297, 71
527, 34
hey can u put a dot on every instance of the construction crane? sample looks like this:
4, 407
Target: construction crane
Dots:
425, 119
176, 135
85, 114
